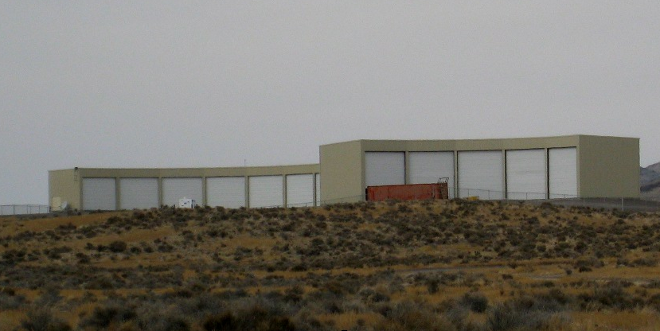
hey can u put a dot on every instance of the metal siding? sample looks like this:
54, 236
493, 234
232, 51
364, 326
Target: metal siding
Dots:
481, 173
562, 170
385, 168
228, 192
178, 188
266, 191
318, 189
428, 167
300, 190
526, 174
138, 193
99, 194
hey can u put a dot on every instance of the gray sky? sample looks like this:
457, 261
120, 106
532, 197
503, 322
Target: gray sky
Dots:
203, 84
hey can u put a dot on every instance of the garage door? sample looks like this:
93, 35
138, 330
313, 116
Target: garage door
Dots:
385, 168
562, 166
428, 167
481, 173
228, 192
178, 188
266, 191
525, 174
99, 194
300, 190
318, 189
138, 193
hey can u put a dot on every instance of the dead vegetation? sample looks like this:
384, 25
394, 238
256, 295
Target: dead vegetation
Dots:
443, 265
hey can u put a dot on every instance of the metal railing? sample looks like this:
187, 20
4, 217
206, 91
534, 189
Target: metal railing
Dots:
6, 210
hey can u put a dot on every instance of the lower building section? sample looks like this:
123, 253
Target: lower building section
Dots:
126, 189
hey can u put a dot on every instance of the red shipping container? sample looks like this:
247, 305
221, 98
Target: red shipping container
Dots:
437, 191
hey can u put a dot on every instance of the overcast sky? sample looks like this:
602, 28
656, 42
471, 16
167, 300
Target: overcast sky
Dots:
220, 83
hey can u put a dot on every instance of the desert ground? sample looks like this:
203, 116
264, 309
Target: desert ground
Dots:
428, 265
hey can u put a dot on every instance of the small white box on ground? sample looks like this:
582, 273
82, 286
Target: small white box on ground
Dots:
187, 203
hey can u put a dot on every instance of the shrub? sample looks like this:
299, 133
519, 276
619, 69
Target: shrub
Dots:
476, 302
102, 317
117, 246
43, 320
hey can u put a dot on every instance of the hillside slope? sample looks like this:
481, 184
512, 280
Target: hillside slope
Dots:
366, 266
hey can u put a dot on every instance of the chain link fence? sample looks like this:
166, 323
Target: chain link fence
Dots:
6, 210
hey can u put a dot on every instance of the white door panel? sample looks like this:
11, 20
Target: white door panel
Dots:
526, 174
228, 192
179, 188
99, 194
266, 191
138, 193
481, 173
562, 166
300, 190
318, 189
428, 167
385, 168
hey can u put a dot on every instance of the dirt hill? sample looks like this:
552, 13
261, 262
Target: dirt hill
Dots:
443, 265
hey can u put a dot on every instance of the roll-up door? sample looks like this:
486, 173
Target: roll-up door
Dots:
525, 174
299, 190
228, 192
178, 188
481, 173
429, 167
318, 189
385, 168
138, 193
99, 194
266, 191
562, 168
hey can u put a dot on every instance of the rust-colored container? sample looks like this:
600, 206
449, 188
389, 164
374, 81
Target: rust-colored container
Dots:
437, 191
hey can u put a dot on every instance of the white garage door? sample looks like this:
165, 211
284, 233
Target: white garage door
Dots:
228, 192
428, 167
318, 189
481, 173
266, 191
138, 193
99, 194
300, 190
525, 174
179, 188
385, 168
562, 166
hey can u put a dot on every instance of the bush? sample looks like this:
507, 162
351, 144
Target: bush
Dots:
43, 320
476, 302
117, 246
102, 317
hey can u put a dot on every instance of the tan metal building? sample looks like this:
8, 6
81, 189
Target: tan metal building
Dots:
517, 168
116, 189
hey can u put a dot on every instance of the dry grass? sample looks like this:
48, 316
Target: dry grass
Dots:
343, 266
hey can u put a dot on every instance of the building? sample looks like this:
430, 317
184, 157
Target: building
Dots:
517, 168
